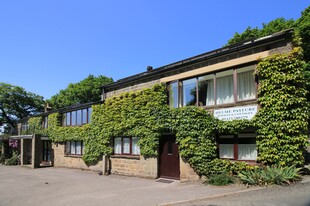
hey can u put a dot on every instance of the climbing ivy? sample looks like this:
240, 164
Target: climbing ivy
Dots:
138, 114
280, 123
282, 117
195, 132
35, 126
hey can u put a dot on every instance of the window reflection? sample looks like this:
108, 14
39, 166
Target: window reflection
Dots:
189, 92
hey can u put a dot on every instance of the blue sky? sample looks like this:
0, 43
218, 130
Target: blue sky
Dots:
45, 45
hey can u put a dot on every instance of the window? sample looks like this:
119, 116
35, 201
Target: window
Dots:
126, 146
84, 116
238, 147
76, 118
226, 146
90, 110
206, 90
73, 118
174, 95
246, 84
224, 87
25, 126
45, 122
79, 117
68, 118
189, 92
219, 88
74, 148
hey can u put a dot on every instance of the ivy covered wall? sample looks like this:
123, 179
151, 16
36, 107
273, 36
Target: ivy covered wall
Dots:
281, 121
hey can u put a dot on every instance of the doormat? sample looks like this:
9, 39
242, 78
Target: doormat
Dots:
164, 181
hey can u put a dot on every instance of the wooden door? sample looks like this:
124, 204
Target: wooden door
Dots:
169, 162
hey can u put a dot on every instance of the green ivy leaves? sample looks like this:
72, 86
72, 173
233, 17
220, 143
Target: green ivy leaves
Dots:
282, 120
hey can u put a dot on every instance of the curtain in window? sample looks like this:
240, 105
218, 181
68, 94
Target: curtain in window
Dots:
224, 90
68, 147
226, 151
247, 152
246, 85
206, 90
117, 145
68, 118
126, 145
72, 149
73, 118
84, 116
78, 148
78, 117
210, 93
135, 147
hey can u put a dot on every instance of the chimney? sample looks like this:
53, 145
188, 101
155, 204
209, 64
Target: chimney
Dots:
149, 68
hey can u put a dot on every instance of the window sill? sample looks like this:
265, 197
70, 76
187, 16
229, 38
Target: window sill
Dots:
74, 156
254, 162
80, 125
135, 157
232, 104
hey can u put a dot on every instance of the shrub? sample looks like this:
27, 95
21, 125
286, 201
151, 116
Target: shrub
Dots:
220, 179
14, 160
270, 175
218, 166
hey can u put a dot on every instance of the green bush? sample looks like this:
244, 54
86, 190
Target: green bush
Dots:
220, 179
218, 166
14, 160
270, 175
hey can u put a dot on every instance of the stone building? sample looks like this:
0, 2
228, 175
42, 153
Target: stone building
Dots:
223, 83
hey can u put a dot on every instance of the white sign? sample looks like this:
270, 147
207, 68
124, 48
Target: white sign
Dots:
245, 112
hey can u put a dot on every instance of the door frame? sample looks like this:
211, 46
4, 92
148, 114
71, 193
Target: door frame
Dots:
162, 141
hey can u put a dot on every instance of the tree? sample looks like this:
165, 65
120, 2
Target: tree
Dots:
303, 27
87, 90
273, 26
16, 103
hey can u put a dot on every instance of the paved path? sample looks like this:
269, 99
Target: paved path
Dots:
293, 195
61, 187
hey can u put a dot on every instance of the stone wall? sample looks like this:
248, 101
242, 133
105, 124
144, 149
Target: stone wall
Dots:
134, 166
62, 160
187, 174
282, 48
136, 87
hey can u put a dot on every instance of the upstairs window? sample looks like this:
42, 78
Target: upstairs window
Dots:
225, 87
174, 95
206, 90
246, 83
45, 122
189, 92
77, 118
